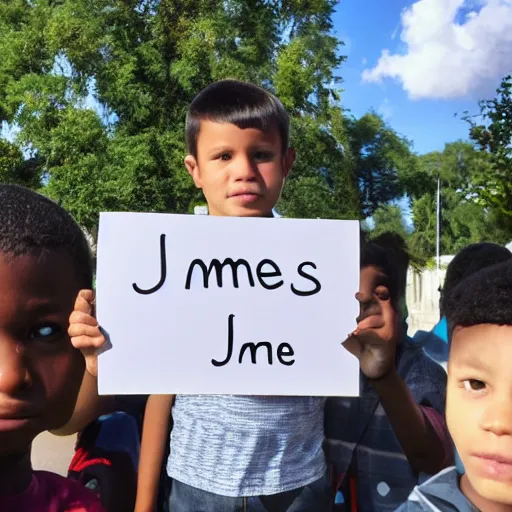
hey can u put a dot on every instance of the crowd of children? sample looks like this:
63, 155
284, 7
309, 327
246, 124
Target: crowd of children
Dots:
390, 448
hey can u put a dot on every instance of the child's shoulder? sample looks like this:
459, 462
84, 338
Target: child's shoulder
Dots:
63, 493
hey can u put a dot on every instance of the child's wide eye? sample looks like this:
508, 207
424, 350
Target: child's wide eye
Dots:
44, 331
474, 385
225, 157
263, 155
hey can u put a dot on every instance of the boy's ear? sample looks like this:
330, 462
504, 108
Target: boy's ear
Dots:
289, 160
193, 169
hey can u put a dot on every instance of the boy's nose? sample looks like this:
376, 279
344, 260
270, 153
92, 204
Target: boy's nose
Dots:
498, 417
245, 169
14, 374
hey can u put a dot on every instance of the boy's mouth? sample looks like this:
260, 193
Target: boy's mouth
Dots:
16, 418
494, 466
10, 424
244, 194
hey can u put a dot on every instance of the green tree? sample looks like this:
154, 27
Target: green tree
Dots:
464, 219
380, 158
98, 90
492, 133
389, 218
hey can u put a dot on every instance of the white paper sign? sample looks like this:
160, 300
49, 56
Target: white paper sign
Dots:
224, 305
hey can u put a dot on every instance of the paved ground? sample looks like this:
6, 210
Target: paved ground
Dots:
52, 453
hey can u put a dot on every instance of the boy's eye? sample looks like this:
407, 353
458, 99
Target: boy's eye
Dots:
45, 331
474, 385
263, 155
225, 157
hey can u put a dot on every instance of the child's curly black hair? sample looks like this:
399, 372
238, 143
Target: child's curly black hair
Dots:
469, 260
482, 298
31, 223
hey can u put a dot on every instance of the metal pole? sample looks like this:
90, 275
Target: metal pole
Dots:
438, 229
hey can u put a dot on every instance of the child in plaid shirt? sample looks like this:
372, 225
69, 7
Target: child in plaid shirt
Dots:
380, 443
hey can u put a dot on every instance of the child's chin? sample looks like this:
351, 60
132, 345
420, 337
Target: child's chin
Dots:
14, 447
249, 212
494, 491
16, 436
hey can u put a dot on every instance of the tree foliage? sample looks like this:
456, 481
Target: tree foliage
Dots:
389, 218
380, 156
97, 91
491, 132
463, 219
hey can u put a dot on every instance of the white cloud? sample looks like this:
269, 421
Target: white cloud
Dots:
454, 49
385, 109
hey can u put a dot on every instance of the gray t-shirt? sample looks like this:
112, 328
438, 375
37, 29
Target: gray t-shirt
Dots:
441, 493
241, 446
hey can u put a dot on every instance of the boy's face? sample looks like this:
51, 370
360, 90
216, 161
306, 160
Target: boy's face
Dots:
40, 371
241, 171
479, 411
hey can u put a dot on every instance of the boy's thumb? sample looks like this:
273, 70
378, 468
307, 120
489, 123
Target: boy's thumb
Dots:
85, 302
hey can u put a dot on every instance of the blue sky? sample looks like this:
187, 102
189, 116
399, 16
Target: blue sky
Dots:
444, 55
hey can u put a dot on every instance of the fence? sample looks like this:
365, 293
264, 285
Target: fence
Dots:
423, 298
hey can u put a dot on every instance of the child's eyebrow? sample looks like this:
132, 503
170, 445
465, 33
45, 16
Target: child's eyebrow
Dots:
470, 361
42, 306
219, 149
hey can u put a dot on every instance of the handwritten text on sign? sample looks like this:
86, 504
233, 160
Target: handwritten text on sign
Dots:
209, 305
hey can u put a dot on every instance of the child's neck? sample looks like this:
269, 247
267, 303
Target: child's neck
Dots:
15, 473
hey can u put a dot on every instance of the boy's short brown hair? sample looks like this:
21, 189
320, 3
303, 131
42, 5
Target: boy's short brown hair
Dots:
240, 103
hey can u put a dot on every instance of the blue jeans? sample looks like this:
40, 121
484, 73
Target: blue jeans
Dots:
316, 497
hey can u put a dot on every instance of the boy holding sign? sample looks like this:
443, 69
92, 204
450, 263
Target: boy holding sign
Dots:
231, 453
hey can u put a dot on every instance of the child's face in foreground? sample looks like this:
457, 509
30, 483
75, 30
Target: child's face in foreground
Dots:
40, 371
241, 171
479, 411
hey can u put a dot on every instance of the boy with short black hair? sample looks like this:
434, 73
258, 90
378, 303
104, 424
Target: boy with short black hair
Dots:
466, 262
221, 114
380, 442
44, 262
469, 261
230, 453
479, 398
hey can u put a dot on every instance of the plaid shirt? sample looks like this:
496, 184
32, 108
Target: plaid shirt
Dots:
359, 435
